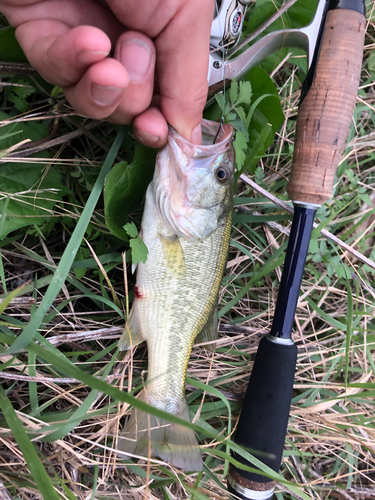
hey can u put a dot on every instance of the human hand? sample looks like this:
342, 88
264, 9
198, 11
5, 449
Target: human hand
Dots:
158, 72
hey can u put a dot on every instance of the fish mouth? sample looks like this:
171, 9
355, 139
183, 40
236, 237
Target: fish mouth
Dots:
216, 139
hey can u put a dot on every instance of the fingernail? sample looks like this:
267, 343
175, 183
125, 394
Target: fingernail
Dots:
196, 135
145, 138
87, 57
135, 55
103, 95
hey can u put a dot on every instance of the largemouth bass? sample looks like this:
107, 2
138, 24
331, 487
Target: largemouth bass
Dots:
186, 226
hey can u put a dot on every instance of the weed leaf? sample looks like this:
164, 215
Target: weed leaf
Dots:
126, 185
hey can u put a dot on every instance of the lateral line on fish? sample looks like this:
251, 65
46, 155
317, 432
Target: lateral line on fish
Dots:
224, 50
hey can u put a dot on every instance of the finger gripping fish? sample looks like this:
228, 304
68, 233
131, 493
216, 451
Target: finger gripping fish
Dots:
186, 226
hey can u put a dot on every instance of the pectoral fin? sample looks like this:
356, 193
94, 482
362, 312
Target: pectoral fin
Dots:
174, 256
209, 331
132, 334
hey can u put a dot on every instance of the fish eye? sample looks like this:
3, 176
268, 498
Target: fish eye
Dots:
223, 174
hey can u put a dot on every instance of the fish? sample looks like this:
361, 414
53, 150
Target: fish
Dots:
186, 227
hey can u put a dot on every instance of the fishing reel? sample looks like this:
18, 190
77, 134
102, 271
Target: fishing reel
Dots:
226, 31
227, 23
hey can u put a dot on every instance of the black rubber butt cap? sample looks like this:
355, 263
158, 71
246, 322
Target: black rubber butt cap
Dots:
264, 418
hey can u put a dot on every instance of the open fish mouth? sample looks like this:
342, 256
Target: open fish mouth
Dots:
216, 139
185, 175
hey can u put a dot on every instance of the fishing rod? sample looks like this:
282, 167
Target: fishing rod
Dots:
327, 103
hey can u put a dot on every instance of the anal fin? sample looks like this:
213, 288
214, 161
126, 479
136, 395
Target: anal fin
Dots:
209, 331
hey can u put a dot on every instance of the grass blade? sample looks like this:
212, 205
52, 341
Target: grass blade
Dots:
69, 254
2, 274
275, 261
81, 411
349, 327
36, 467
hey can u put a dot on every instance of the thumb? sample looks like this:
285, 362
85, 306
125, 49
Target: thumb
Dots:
182, 67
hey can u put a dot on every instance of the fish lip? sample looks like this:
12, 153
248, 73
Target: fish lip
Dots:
210, 131
221, 133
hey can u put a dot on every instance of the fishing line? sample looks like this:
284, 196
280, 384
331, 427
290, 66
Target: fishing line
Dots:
224, 52
218, 130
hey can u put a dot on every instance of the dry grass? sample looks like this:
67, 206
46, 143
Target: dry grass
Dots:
331, 436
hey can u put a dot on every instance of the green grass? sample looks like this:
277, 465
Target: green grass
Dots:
66, 390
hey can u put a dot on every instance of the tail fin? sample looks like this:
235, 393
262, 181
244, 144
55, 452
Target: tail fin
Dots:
171, 442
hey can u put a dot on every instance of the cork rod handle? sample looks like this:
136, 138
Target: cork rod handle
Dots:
325, 114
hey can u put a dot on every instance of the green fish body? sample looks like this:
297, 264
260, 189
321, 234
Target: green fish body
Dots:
186, 226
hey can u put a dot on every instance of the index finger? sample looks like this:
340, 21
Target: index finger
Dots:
182, 66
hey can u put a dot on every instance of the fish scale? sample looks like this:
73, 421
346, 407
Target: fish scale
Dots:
181, 300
